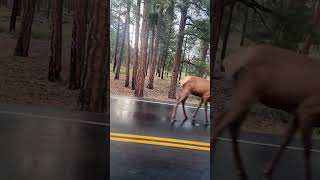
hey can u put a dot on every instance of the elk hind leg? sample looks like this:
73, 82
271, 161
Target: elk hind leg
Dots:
288, 137
195, 113
183, 96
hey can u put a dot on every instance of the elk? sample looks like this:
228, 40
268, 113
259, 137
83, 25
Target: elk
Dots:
277, 78
196, 86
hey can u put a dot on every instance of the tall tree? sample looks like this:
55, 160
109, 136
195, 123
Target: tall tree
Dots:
14, 14
78, 43
155, 48
140, 76
183, 57
128, 47
136, 44
125, 29
316, 17
150, 47
94, 93
226, 35
117, 41
179, 43
56, 42
215, 22
22, 47
244, 26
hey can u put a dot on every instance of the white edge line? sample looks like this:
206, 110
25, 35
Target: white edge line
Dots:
55, 118
154, 102
270, 145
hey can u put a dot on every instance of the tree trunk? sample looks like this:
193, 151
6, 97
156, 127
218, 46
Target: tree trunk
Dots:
183, 57
38, 5
14, 14
117, 43
204, 51
155, 50
119, 61
22, 47
164, 61
226, 36
94, 95
56, 42
136, 45
244, 27
49, 8
150, 50
128, 47
140, 77
215, 21
78, 44
176, 65
307, 43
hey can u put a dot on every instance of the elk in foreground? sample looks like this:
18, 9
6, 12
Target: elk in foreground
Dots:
280, 79
196, 86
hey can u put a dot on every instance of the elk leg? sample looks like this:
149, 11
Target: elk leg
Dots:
288, 137
195, 113
206, 111
230, 118
183, 96
184, 111
306, 138
234, 131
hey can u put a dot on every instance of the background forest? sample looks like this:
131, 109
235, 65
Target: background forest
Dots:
148, 40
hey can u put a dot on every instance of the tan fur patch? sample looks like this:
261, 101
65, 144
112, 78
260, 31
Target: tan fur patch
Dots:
184, 80
235, 61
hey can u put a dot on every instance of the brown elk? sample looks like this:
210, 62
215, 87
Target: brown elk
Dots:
196, 86
280, 79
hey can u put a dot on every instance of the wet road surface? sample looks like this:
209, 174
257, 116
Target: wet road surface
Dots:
258, 149
40, 143
145, 145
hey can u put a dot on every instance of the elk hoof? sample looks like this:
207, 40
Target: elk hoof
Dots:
206, 124
173, 119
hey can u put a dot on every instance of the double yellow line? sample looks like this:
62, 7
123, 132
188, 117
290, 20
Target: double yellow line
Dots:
152, 140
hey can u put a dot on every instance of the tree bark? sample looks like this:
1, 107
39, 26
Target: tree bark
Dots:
150, 50
183, 59
127, 81
78, 44
117, 43
140, 77
307, 43
204, 51
56, 42
176, 65
164, 61
155, 49
23, 42
226, 36
14, 14
215, 22
94, 95
244, 26
136, 45
119, 61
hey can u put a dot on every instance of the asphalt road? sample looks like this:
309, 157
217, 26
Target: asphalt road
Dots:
151, 147
39, 143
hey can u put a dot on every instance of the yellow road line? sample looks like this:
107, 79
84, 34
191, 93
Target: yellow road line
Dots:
161, 139
159, 143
